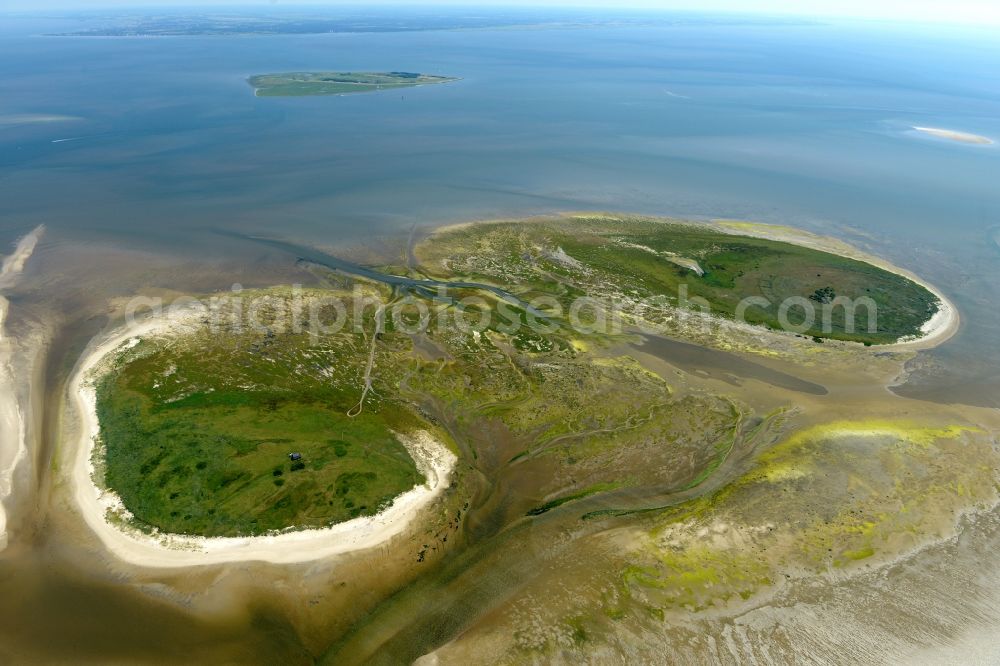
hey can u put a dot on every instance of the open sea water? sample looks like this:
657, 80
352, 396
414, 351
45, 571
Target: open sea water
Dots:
800, 124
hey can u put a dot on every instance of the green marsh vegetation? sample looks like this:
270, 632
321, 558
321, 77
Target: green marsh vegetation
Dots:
197, 429
648, 502
826, 497
198, 432
640, 259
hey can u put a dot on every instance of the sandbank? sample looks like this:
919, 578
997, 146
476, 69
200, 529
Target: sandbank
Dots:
13, 429
953, 135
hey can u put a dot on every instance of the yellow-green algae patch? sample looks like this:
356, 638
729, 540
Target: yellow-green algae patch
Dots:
834, 495
785, 460
696, 577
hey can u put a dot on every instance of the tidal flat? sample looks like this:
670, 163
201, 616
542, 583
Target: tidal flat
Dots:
161, 142
243, 431
656, 494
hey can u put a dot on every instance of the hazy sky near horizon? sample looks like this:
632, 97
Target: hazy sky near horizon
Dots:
959, 11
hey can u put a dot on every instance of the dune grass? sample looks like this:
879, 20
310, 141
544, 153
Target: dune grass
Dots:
197, 440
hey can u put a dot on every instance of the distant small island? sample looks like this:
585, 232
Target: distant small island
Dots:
299, 84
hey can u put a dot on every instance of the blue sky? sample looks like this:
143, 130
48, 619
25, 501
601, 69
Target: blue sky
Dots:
958, 11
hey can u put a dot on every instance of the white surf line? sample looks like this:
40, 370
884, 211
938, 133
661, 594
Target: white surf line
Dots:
13, 429
107, 517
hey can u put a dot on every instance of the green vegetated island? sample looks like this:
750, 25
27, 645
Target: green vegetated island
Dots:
198, 429
641, 260
300, 84
200, 433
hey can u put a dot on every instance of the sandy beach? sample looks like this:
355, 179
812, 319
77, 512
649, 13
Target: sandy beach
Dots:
953, 135
432, 458
13, 446
935, 331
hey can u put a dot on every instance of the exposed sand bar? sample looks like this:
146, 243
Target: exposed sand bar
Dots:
12, 120
13, 264
13, 429
952, 135
935, 331
97, 505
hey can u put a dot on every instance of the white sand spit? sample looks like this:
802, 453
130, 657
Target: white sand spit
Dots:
13, 429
